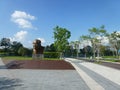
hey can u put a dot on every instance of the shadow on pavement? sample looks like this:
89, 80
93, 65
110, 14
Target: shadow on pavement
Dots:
3, 67
9, 84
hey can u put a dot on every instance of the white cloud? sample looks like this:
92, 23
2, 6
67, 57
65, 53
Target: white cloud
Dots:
23, 23
20, 36
22, 19
12, 39
105, 41
21, 14
85, 43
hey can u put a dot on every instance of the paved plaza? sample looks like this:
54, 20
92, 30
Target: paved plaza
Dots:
87, 76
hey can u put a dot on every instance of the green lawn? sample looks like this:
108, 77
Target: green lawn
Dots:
112, 60
109, 56
24, 58
16, 58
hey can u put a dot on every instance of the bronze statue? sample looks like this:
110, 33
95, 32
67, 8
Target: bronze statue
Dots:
38, 50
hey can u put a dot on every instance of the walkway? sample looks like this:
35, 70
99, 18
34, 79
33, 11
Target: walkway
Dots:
97, 77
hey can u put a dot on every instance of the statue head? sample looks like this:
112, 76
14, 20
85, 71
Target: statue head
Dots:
37, 48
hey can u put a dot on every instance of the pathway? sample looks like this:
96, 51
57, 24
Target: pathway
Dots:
97, 77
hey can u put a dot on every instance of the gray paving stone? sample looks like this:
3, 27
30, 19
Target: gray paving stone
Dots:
50, 80
105, 83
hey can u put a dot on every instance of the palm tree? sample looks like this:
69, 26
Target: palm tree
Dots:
114, 39
75, 45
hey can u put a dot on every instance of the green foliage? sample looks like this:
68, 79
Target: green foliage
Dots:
24, 51
97, 32
94, 33
24, 58
61, 36
109, 57
114, 39
88, 51
5, 44
50, 48
15, 47
51, 55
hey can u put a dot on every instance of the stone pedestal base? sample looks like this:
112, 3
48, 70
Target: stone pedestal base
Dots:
38, 56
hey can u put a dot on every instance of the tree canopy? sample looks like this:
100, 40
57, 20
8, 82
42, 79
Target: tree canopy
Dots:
61, 36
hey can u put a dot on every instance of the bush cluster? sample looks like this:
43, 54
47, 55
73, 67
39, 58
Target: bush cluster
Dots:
51, 54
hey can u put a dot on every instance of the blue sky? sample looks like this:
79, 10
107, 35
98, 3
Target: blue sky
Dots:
26, 20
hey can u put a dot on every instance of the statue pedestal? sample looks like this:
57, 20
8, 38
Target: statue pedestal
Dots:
38, 56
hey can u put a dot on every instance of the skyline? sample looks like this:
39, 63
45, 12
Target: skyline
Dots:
25, 21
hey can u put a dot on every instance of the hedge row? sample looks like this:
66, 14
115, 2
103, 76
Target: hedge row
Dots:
52, 54
46, 54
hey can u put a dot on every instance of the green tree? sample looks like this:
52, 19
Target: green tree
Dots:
96, 42
108, 51
61, 36
50, 48
102, 50
75, 47
22, 51
5, 44
72, 48
15, 47
114, 40
88, 51
87, 39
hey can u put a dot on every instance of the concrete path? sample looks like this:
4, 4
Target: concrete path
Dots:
28, 79
100, 77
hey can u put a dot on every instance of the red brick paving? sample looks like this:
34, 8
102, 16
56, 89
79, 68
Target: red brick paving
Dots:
38, 64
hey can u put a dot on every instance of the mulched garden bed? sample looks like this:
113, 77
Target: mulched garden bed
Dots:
38, 64
112, 65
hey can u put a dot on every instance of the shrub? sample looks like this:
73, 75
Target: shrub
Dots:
51, 54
